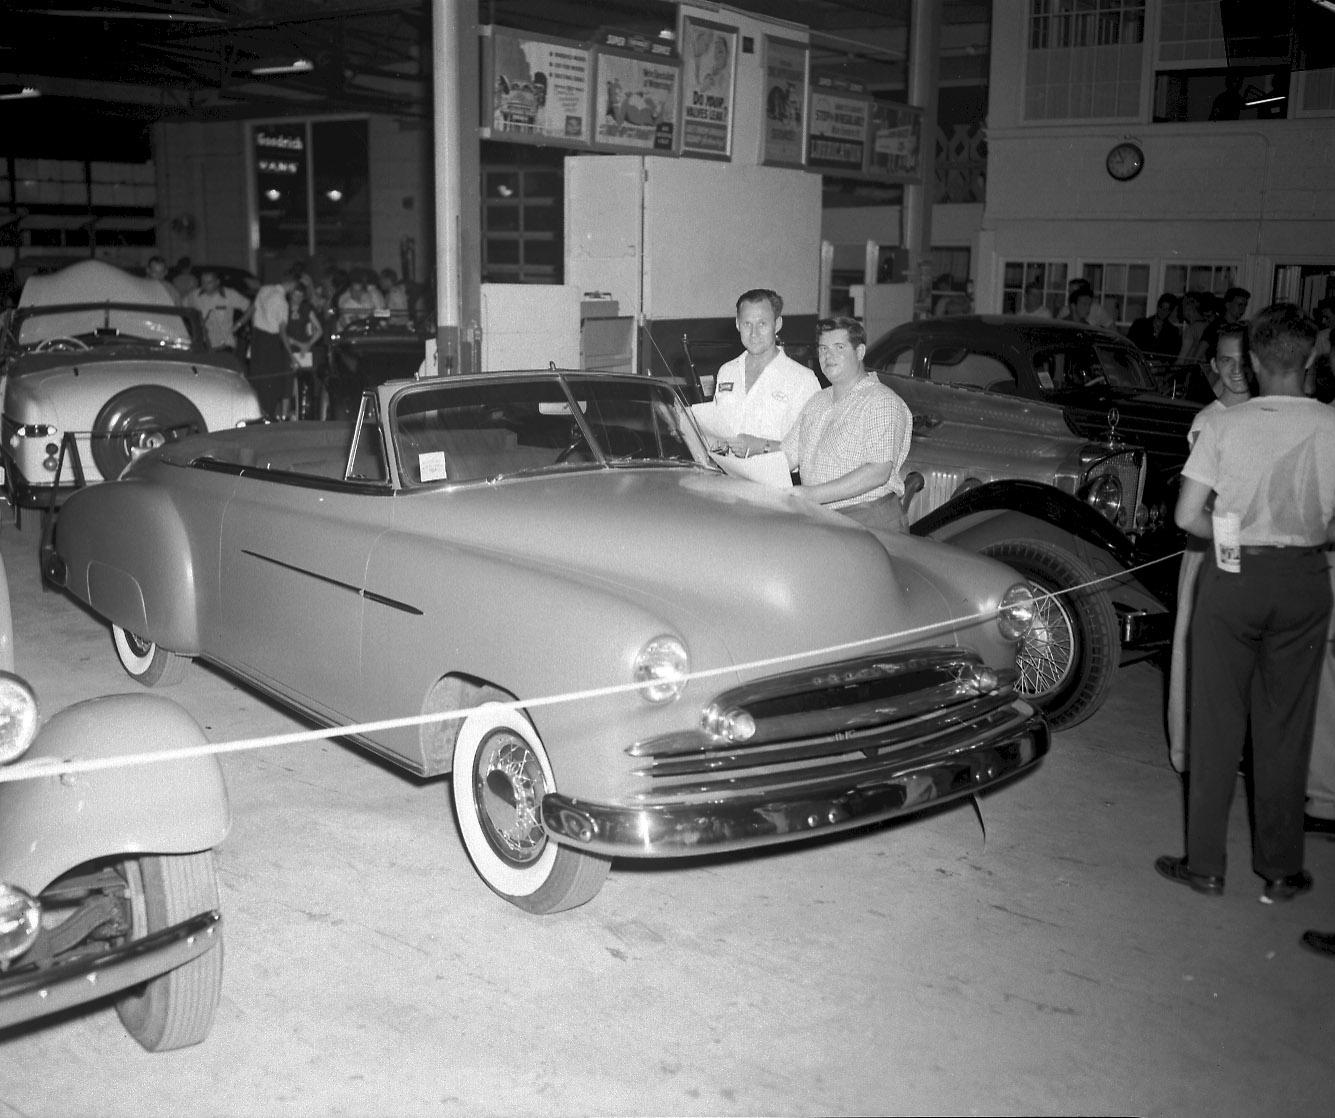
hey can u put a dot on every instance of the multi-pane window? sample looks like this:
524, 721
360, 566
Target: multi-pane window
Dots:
1214, 278
77, 204
522, 216
1191, 30
1084, 59
1028, 285
1122, 289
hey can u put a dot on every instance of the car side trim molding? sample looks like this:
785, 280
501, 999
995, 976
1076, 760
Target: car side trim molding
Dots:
368, 595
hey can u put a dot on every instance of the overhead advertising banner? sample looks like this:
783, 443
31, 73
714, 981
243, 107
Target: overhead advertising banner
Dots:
635, 98
896, 143
786, 78
709, 68
539, 88
838, 132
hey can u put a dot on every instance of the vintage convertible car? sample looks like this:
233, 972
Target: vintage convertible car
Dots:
98, 365
107, 879
655, 659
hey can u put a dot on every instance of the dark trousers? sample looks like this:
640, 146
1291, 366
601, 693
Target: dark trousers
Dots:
270, 371
1257, 640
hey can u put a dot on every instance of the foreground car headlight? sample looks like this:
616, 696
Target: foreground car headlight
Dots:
18, 717
20, 919
661, 665
1015, 614
1104, 496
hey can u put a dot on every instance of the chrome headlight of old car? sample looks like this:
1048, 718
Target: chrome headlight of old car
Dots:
18, 717
20, 920
1104, 496
661, 666
1015, 614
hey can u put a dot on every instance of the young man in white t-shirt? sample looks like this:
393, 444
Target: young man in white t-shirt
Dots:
1259, 632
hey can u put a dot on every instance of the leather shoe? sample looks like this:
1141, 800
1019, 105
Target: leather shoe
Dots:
1176, 869
1287, 887
1323, 943
1317, 825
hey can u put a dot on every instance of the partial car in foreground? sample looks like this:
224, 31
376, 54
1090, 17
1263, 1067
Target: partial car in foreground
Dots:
108, 889
620, 651
98, 365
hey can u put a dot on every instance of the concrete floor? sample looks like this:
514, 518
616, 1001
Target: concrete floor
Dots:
920, 968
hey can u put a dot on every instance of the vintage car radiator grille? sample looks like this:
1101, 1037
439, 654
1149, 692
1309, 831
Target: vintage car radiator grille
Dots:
1129, 468
833, 721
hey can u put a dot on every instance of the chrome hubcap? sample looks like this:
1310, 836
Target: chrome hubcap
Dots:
508, 787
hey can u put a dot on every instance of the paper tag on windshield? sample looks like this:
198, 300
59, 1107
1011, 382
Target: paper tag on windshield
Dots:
431, 465
1044, 378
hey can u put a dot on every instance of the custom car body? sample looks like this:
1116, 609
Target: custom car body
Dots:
618, 649
98, 365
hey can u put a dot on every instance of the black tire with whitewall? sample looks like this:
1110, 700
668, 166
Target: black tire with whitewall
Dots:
146, 662
500, 775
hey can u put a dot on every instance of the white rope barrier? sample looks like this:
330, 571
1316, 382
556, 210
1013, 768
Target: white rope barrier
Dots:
45, 767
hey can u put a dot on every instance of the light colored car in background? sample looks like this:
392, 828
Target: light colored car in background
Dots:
108, 887
650, 659
98, 365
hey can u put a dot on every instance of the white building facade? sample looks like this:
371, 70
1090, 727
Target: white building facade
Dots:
1104, 162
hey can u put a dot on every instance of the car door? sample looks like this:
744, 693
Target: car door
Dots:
293, 568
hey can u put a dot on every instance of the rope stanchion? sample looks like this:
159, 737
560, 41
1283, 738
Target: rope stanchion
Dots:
46, 767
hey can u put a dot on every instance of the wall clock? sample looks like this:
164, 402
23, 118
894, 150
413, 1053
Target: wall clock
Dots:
1125, 161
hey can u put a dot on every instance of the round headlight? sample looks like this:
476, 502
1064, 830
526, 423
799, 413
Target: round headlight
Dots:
1015, 614
661, 666
20, 920
18, 717
1104, 495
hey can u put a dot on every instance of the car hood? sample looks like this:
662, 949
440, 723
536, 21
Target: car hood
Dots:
767, 572
1155, 422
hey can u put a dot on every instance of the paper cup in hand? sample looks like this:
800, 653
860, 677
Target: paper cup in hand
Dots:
1228, 541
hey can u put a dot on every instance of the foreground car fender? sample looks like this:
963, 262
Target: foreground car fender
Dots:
50, 824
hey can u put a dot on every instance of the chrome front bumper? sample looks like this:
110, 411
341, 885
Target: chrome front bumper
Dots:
891, 781
28, 995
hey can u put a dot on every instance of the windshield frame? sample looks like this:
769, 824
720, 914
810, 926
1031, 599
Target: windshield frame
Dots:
89, 320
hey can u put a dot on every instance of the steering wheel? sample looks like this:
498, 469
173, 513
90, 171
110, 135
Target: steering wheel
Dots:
1094, 376
580, 445
60, 341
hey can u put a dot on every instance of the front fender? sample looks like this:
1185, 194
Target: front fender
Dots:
1046, 503
1016, 509
51, 824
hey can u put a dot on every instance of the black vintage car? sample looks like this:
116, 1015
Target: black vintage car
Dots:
1045, 444
362, 355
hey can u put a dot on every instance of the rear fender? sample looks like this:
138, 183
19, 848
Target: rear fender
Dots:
128, 555
51, 824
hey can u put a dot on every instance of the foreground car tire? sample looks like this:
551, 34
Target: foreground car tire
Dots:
176, 1009
147, 662
139, 419
501, 773
1068, 661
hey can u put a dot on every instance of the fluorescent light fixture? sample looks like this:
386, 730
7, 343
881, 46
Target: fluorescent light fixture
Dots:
1267, 100
18, 93
296, 66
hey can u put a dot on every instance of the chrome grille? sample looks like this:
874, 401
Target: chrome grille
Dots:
835, 718
1128, 466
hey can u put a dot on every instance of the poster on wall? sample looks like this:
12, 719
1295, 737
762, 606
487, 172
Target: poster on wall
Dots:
635, 101
896, 143
837, 137
539, 88
786, 70
709, 66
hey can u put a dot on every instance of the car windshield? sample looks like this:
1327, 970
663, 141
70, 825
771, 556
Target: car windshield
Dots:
89, 325
483, 431
1064, 368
